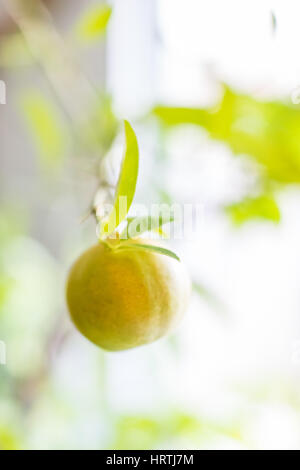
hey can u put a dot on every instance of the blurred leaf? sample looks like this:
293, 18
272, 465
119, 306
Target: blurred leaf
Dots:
143, 432
6, 285
263, 207
267, 131
8, 440
134, 432
93, 23
14, 51
127, 182
45, 126
172, 116
139, 246
181, 423
138, 225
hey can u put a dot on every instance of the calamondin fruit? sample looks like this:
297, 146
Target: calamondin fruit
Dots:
122, 298
123, 293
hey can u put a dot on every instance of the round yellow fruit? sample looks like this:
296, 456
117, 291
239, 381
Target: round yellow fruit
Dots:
120, 299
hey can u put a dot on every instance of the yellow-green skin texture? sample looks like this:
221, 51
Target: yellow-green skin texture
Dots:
127, 298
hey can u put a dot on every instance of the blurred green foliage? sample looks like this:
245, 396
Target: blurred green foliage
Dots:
8, 439
142, 432
93, 23
266, 131
46, 127
263, 207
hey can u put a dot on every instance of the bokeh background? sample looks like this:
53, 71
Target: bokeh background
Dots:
211, 89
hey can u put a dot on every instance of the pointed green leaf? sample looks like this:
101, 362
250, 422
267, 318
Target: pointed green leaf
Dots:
161, 232
138, 225
156, 249
93, 23
127, 183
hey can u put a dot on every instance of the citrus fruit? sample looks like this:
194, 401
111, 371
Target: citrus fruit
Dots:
120, 299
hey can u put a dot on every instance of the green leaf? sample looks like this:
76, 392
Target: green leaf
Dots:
93, 23
127, 183
138, 225
263, 207
45, 126
156, 249
161, 232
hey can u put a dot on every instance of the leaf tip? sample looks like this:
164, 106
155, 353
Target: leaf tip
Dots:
127, 126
